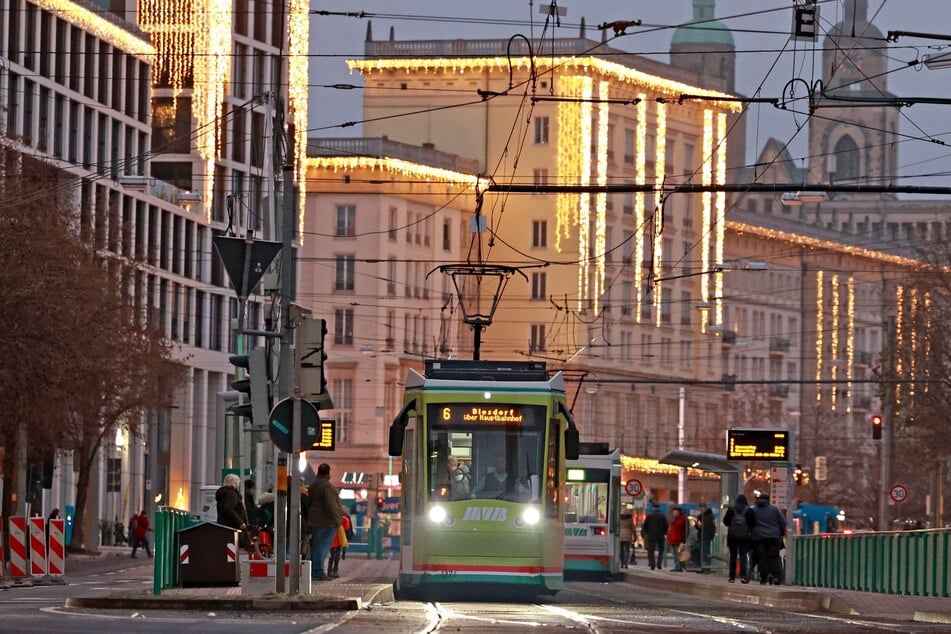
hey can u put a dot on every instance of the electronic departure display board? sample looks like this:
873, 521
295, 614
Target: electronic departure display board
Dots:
757, 444
486, 414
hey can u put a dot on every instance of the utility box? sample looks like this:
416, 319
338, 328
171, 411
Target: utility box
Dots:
208, 556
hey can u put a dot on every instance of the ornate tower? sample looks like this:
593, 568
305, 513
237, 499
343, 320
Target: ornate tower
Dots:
852, 144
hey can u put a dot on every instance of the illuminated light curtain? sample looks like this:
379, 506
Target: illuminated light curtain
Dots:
102, 28
850, 342
660, 160
819, 339
602, 198
194, 36
706, 178
834, 339
721, 215
393, 166
899, 337
640, 216
569, 156
927, 341
298, 27
583, 217
913, 342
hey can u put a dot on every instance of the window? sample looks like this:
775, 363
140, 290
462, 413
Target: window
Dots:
343, 408
646, 300
650, 152
610, 149
647, 347
392, 224
630, 146
846, 159
536, 341
391, 277
627, 296
540, 176
688, 158
343, 280
541, 130
446, 235
540, 234
665, 301
346, 219
666, 347
343, 326
686, 301
538, 285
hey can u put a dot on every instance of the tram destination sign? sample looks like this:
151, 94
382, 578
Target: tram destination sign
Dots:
483, 414
757, 444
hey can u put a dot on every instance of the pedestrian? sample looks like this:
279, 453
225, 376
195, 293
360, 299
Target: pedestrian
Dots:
339, 546
708, 530
654, 532
139, 526
768, 536
677, 535
231, 511
739, 520
323, 517
626, 537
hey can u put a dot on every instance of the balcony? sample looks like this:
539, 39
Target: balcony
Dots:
778, 345
778, 391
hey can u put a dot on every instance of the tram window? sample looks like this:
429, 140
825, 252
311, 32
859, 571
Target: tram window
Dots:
586, 502
485, 462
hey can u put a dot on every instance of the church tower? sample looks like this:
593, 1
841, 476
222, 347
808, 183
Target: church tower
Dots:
854, 144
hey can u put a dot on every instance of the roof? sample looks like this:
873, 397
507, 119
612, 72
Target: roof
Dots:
703, 29
699, 460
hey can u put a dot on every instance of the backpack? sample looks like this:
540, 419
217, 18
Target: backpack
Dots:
739, 529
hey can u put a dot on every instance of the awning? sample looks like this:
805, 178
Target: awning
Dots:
699, 460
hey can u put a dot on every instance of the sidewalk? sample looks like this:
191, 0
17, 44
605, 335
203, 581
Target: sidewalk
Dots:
362, 582
715, 586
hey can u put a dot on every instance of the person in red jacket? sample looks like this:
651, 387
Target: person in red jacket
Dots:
140, 533
677, 535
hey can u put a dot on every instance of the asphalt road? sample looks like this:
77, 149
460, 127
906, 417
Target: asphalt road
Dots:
584, 606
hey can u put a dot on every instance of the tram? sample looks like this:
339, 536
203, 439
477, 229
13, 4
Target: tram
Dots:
484, 446
592, 510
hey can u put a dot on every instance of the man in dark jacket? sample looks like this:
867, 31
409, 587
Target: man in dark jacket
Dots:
323, 516
708, 530
768, 540
739, 544
654, 532
230, 508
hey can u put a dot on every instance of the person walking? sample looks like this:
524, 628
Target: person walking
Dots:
677, 535
323, 517
139, 525
708, 530
626, 537
768, 536
654, 532
739, 520
339, 546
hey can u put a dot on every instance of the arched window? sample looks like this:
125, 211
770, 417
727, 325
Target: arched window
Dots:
846, 159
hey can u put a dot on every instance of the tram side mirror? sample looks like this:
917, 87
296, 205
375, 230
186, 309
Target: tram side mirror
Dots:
572, 443
396, 439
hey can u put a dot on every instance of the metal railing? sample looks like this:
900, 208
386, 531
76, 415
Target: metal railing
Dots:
914, 563
168, 522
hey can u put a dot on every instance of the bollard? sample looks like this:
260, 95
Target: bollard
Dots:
18, 547
37, 547
56, 561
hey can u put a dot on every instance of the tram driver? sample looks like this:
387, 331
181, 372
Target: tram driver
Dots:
495, 478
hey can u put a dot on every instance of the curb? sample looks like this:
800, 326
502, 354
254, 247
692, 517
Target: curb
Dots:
932, 617
378, 593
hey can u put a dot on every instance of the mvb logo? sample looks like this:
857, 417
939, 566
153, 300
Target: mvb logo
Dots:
485, 514
576, 532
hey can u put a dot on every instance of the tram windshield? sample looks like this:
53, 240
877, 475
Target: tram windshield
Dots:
486, 451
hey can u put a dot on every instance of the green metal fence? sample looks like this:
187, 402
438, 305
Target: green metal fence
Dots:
168, 521
914, 563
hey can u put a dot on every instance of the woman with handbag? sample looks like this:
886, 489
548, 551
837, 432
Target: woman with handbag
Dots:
677, 537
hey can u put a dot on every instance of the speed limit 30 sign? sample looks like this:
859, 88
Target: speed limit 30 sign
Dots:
633, 488
898, 493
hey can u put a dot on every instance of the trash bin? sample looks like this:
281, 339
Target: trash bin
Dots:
208, 555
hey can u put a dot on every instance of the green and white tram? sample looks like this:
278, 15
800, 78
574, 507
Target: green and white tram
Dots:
483, 446
592, 510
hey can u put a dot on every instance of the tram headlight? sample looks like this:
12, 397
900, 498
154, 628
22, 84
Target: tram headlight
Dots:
437, 514
531, 516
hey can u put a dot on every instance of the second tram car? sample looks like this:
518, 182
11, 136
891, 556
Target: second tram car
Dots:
592, 510
483, 446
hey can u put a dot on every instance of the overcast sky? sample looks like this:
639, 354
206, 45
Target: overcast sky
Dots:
760, 29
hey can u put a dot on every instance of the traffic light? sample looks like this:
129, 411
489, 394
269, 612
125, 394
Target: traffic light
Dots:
256, 405
877, 423
313, 357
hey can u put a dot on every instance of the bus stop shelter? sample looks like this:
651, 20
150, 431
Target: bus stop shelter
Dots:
730, 483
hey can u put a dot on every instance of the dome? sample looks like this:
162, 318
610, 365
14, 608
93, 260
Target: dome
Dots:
710, 31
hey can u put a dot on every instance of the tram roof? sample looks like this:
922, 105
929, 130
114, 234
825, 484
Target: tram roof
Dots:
528, 375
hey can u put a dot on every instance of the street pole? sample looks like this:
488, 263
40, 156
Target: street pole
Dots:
287, 340
682, 472
888, 425
294, 491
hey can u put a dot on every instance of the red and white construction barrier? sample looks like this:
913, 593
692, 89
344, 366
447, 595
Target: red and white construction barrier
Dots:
37, 547
232, 553
56, 561
183, 554
18, 547
263, 573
